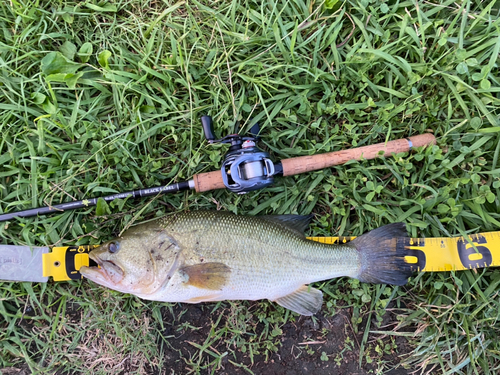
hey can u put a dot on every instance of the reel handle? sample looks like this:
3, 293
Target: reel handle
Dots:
303, 164
208, 128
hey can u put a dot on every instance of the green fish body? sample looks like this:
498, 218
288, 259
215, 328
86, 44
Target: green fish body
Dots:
211, 256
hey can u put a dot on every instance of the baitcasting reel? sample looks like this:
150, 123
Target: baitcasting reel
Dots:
245, 166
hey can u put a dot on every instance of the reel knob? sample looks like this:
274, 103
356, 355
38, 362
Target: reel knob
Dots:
208, 128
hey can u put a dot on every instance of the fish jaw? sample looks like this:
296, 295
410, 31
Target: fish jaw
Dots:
108, 273
95, 274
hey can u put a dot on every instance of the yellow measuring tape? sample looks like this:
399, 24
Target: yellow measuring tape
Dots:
424, 254
443, 253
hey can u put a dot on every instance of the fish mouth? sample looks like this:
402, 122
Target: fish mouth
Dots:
107, 272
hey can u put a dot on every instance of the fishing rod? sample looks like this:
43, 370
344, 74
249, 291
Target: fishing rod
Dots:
245, 168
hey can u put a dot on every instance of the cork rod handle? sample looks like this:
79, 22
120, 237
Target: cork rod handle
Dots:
208, 181
304, 164
213, 180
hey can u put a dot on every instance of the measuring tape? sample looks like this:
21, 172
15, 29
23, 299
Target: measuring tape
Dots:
423, 254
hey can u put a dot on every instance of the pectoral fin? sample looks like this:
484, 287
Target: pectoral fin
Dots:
212, 276
305, 301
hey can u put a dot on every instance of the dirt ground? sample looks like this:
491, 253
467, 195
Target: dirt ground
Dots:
193, 335
330, 336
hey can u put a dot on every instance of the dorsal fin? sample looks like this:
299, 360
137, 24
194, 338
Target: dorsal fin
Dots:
296, 223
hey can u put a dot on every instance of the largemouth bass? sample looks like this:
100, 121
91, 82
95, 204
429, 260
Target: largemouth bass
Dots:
205, 256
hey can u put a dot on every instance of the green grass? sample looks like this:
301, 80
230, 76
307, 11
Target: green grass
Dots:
101, 97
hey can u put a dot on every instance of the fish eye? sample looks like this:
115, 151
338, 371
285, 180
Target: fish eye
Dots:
113, 247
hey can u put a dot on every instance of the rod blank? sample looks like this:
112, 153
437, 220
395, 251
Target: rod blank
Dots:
172, 188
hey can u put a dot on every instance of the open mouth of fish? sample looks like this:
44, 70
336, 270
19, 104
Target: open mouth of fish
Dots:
106, 271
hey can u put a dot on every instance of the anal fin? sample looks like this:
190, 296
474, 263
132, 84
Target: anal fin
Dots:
305, 301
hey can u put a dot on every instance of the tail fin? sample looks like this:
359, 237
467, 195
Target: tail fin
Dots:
382, 260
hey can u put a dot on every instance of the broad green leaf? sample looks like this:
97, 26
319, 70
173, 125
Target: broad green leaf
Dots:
476, 122
103, 59
329, 4
462, 68
38, 98
477, 77
485, 84
68, 49
57, 63
71, 79
438, 285
102, 207
68, 18
49, 107
471, 62
85, 52
443, 208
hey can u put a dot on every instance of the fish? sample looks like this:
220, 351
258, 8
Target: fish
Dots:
205, 256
